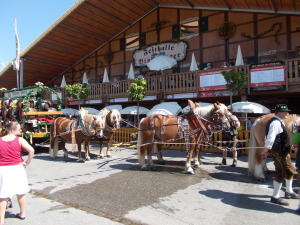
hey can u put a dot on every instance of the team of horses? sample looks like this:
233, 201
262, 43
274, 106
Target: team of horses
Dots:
192, 130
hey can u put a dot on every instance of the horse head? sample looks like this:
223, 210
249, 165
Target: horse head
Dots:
98, 125
232, 119
113, 118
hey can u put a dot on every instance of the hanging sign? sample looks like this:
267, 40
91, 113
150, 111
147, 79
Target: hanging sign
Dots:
176, 50
267, 76
212, 80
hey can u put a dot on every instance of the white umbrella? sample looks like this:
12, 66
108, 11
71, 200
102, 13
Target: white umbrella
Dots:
166, 108
161, 63
63, 82
71, 112
92, 110
105, 77
249, 107
239, 58
131, 73
193, 66
132, 110
110, 107
202, 104
85, 80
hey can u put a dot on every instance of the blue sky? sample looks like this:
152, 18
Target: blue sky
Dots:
33, 18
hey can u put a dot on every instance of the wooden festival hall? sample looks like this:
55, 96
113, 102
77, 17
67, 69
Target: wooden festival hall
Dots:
95, 36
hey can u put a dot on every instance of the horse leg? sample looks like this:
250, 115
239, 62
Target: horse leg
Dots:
160, 159
108, 155
80, 159
63, 146
100, 150
259, 166
188, 163
87, 150
149, 158
197, 159
53, 148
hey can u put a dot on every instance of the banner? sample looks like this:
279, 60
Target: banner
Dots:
16, 62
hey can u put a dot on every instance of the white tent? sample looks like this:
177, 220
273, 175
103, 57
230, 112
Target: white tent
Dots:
63, 82
131, 73
202, 104
239, 58
91, 110
249, 107
105, 77
166, 108
85, 80
132, 110
193, 66
110, 107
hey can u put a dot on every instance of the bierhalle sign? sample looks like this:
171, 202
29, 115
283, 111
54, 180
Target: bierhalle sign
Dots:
176, 50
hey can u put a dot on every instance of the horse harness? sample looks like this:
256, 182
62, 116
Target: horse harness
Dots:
183, 128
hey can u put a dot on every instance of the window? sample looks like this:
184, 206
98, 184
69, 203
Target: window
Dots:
132, 42
189, 28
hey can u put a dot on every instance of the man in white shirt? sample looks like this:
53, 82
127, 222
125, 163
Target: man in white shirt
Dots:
277, 144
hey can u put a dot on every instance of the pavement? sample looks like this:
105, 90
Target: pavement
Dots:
115, 191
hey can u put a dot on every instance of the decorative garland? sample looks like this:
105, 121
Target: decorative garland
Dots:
279, 24
226, 30
158, 24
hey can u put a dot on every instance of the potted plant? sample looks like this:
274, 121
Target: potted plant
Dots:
77, 91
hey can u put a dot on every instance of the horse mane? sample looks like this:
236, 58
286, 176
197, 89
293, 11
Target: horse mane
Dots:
204, 111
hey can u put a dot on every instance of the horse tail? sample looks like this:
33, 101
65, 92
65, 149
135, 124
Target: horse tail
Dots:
252, 152
139, 142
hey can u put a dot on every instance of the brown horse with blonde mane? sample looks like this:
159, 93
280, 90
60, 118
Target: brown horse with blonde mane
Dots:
112, 121
256, 164
155, 130
82, 129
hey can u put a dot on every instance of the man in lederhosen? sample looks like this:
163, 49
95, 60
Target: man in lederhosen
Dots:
277, 144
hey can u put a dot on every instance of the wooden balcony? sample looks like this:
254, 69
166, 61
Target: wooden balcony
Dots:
187, 82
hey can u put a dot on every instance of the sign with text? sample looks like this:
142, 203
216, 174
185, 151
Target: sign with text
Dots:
267, 76
212, 80
176, 50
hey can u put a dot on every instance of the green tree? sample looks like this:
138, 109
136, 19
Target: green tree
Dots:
235, 81
137, 91
77, 91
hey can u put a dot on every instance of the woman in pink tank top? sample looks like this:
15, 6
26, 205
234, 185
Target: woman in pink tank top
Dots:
13, 178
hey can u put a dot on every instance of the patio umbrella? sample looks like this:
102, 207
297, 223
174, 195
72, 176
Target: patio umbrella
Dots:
249, 107
63, 82
202, 104
70, 112
166, 108
105, 77
92, 110
132, 110
239, 58
85, 80
193, 66
131, 73
161, 63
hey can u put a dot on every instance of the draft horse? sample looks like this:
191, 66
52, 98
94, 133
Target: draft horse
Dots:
161, 128
256, 165
112, 122
81, 129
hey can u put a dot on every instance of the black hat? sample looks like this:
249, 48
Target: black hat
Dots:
281, 108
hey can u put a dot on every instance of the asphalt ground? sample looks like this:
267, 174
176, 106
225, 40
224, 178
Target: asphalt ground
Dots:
115, 191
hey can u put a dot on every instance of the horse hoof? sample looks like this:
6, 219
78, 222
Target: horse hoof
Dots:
108, 156
100, 156
87, 159
190, 171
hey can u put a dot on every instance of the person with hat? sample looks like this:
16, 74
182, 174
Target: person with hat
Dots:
277, 145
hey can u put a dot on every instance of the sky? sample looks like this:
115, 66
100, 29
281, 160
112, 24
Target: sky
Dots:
33, 18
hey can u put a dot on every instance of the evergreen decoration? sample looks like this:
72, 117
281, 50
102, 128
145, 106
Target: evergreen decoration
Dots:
77, 91
226, 30
108, 56
158, 24
277, 31
235, 81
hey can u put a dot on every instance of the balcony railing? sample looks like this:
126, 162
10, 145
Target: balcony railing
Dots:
186, 82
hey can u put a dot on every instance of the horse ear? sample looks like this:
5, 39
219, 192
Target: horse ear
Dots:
218, 103
216, 106
191, 104
95, 117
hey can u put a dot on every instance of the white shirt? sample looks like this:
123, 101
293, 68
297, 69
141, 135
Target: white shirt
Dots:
274, 129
